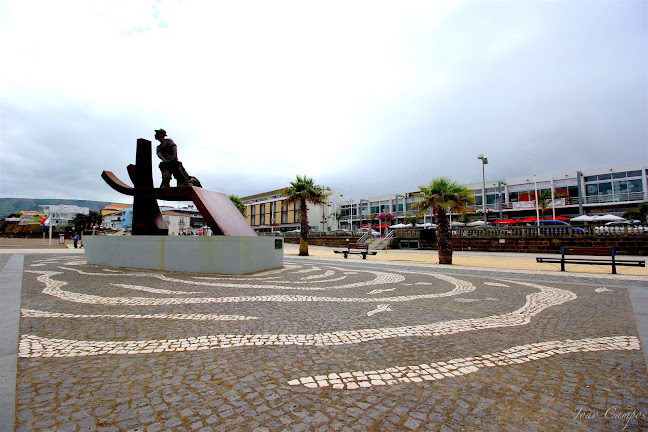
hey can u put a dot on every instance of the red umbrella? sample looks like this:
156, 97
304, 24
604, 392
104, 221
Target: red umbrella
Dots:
529, 219
505, 221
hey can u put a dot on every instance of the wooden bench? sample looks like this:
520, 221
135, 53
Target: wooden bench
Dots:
357, 249
591, 251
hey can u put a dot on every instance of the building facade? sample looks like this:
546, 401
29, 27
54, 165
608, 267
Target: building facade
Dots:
115, 216
611, 189
270, 211
63, 214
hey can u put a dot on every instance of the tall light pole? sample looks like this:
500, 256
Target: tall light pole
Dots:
484, 162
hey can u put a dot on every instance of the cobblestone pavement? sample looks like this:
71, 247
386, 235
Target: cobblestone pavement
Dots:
325, 345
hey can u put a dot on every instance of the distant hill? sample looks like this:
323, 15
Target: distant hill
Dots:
15, 205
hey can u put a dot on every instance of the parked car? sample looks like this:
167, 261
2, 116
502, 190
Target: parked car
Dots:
341, 232
374, 233
557, 227
619, 227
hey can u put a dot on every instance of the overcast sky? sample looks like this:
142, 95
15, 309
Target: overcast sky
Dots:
371, 97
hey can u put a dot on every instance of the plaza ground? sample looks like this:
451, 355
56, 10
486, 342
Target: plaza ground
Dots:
395, 342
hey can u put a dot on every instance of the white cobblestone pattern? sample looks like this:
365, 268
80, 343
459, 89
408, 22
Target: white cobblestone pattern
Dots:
379, 308
467, 365
36, 346
379, 279
54, 287
198, 317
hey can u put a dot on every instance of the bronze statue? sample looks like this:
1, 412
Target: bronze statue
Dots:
167, 151
215, 207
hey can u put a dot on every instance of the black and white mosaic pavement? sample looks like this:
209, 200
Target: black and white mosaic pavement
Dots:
324, 345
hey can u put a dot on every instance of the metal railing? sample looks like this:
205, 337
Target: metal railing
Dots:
497, 232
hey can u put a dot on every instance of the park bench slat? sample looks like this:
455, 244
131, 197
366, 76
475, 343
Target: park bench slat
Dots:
591, 251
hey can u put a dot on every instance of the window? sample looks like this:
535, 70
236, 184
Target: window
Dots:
262, 214
592, 189
284, 212
619, 175
605, 188
635, 185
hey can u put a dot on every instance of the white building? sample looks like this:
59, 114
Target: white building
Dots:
63, 214
269, 211
604, 189
178, 222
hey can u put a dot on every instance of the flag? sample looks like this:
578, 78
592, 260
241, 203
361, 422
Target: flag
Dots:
46, 221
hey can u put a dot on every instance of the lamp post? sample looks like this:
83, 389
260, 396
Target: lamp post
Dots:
484, 162
499, 198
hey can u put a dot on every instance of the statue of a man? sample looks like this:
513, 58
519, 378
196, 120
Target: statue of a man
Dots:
167, 151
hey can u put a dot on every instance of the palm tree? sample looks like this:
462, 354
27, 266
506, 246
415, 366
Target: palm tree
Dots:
304, 191
638, 213
410, 220
441, 195
238, 203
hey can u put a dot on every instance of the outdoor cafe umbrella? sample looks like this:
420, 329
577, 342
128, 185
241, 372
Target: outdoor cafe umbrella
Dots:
426, 225
505, 221
398, 226
607, 218
582, 218
476, 223
528, 220
457, 224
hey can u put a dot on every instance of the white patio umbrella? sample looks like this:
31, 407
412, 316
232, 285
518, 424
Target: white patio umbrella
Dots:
607, 218
397, 226
457, 224
582, 218
426, 225
477, 223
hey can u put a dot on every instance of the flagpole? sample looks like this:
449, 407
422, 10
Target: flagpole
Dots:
535, 183
553, 199
50, 231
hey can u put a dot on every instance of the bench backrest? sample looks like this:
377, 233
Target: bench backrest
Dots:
594, 251
358, 246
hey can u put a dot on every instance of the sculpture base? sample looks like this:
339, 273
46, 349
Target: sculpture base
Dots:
204, 254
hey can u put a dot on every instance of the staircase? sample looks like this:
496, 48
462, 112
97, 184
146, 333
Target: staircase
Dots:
380, 243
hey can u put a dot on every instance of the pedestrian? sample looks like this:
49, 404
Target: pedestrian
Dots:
76, 240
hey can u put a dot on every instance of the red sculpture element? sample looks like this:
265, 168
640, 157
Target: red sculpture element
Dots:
216, 208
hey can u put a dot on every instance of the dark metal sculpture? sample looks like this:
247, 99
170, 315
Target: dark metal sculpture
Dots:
217, 209
167, 151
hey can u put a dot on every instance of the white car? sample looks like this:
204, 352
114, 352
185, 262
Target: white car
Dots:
374, 233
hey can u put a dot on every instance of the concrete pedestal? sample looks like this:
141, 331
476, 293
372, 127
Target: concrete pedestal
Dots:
199, 254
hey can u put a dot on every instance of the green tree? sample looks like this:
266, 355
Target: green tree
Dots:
238, 203
638, 213
303, 191
410, 220
441, 195
82, 222
372, 218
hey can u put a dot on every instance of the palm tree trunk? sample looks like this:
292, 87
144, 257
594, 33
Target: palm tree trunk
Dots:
303, 241
444, 237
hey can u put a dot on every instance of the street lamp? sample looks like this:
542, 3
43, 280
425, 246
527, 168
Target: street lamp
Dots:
484, 162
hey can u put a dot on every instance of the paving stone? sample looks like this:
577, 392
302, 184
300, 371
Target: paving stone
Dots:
323, 345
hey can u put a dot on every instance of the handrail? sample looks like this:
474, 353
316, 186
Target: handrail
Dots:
364, 237
385, 239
